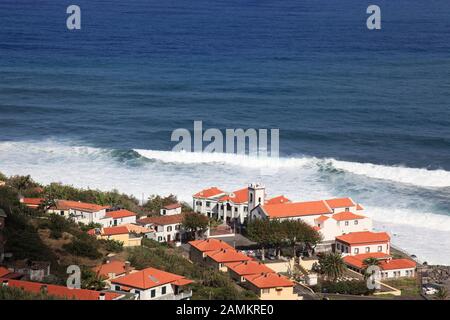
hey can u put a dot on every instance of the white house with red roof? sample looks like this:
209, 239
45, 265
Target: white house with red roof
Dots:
153, 284
168, 228
331, 226
271, 286
171, 209
355, 243
389, 267
79, 211
232, 206
118, 217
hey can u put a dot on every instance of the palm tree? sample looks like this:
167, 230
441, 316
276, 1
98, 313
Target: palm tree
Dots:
332, 265
442, 294
370, 262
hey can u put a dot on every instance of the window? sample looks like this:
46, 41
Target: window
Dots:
198, 203
236, 209
380, 248
265, 291
356, 250
356, 222
347, 209
153, 293
62, 213
164, 212
245, 209
163, 290
159, 239
169, 228
177, 227
338, 246
251, 197
346, 223
259, 200
367, 249
208, 204
117, 288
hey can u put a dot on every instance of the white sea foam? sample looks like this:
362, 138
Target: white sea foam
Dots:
301, 178
414, 176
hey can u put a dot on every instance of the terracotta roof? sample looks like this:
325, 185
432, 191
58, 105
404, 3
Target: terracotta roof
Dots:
322, 218
172, 206
116, 267
182, 282
122, 229
77, 205
32, 201
209, 245
363, 237
238, 196
60, 291
110, 231
148, 278
162, 220
208, 193
346, 215
227, 255
397, 264
243, 268
122, 213
358, 260
269, 280
4, 272
340, 203
359, 207
277, 200
296, 209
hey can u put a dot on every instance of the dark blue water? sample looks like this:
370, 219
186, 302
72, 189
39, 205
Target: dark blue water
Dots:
139, 69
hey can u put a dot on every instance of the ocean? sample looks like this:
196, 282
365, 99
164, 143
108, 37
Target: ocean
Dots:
361, 113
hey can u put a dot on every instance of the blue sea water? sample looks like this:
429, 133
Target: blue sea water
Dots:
361, 113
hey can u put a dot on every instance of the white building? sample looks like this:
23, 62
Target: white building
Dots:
341, 223
233, 206
167, 226
118, 217
79, 211
355, 243
153, 284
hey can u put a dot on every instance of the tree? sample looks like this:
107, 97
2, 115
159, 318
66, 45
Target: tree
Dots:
332, 265
369, 262
155, 202
91, 280
195, 223
299, 232
258, 230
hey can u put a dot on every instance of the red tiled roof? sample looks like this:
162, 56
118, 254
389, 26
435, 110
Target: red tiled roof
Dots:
32, 201
122, 213
354, 238
207, 193
346, 215
182, 282
148, 278
278, 200
296, 209
359, 207
209, 245
172, 206
340, 203
162, 220
110, 231
358, 260
395, 264
227, 255
243, 268
322, 218
116, 267
269, 280
4, 272
60, 291
238, 196
77, 205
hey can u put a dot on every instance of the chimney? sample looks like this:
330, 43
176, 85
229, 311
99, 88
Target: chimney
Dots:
5, 283
101, 296
127, 267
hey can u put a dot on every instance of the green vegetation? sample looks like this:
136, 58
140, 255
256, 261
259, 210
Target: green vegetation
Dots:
195, 224
209, 284
84, 246
408, 286
280, 234
353, 287
90, 280
112, 245
9, 293
331, 265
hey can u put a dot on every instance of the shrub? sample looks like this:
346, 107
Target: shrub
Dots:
112, 245
354, 287
85, 246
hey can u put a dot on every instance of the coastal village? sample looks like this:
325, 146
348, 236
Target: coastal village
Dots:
267, 247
